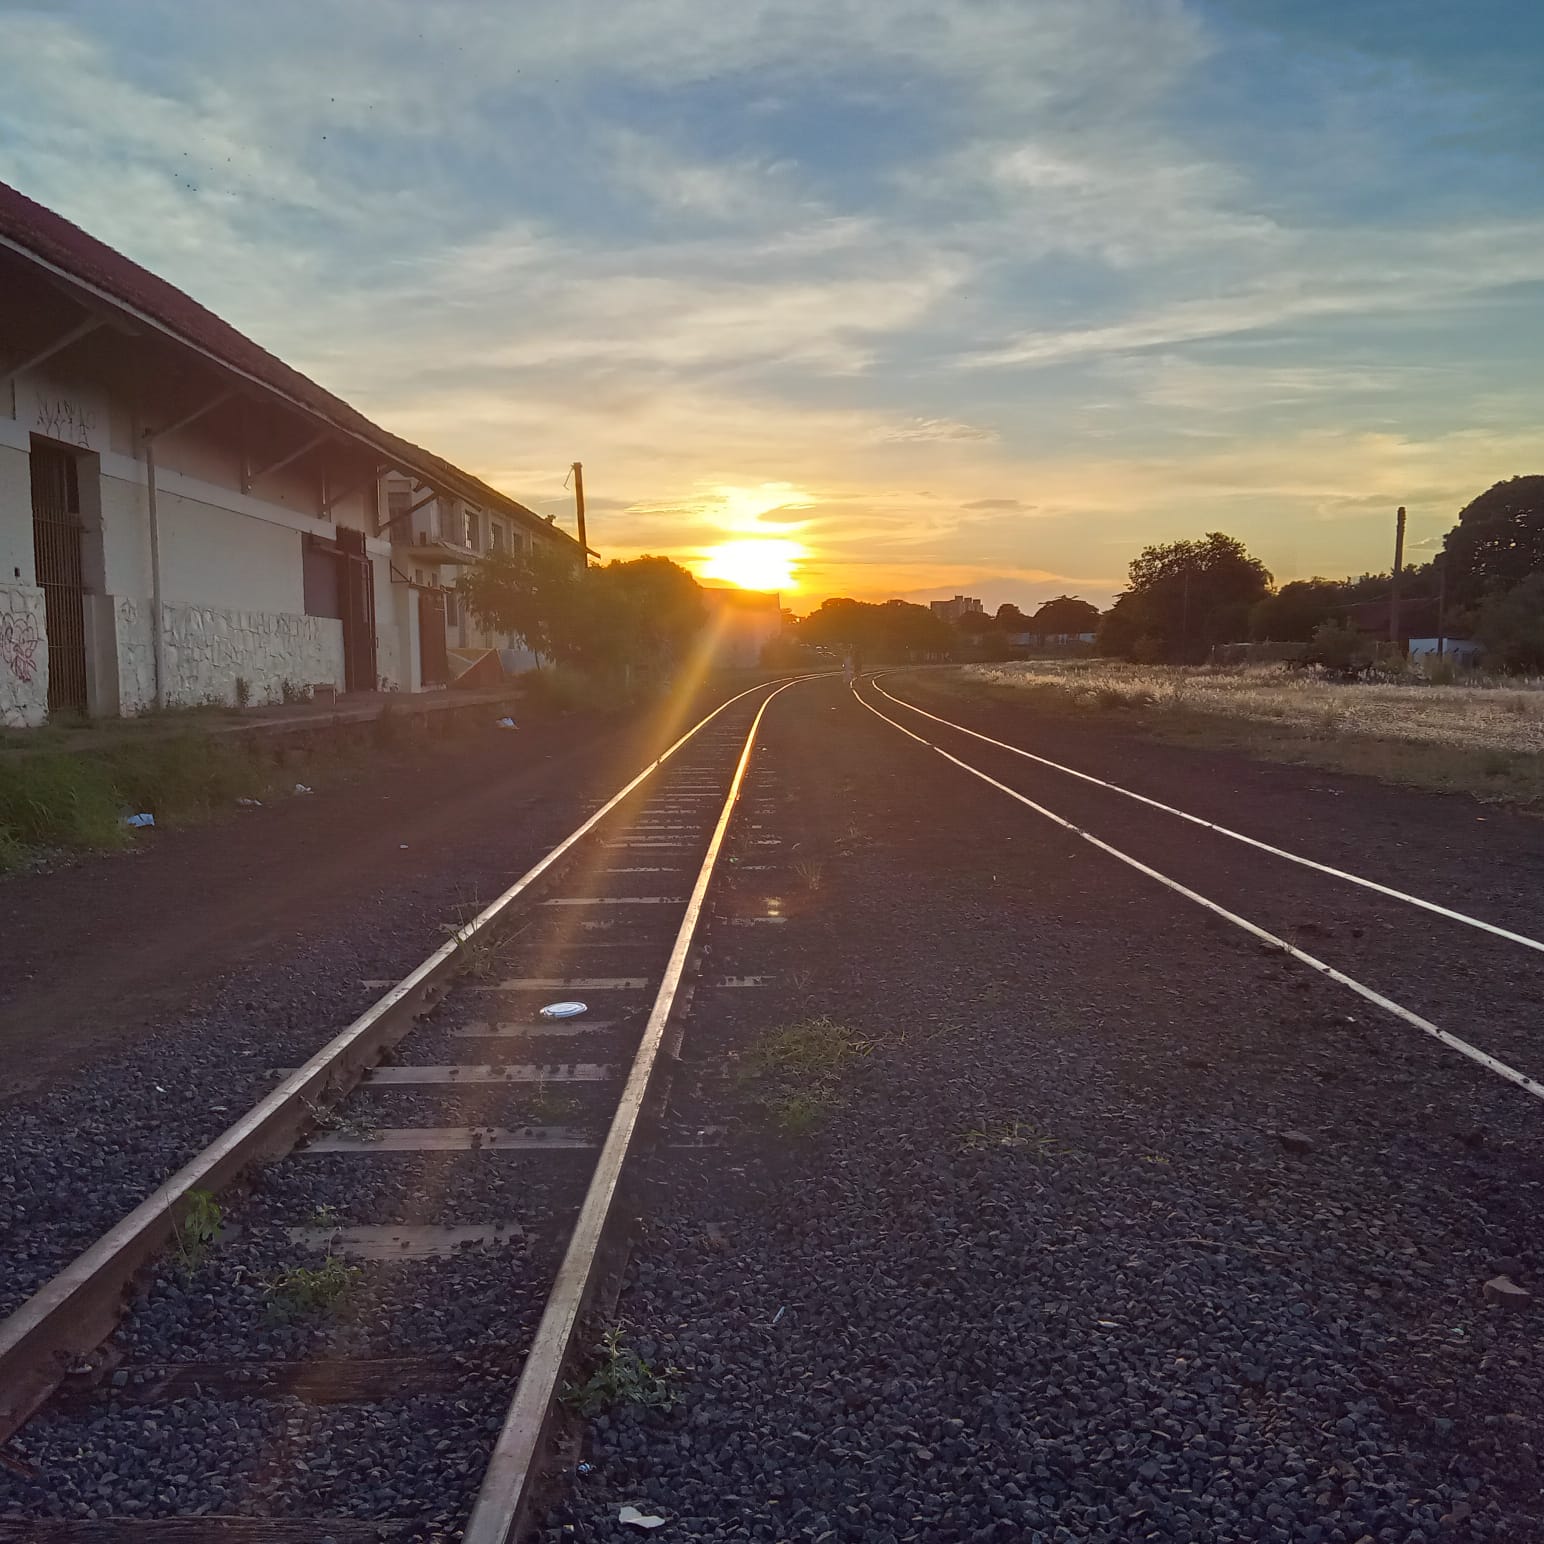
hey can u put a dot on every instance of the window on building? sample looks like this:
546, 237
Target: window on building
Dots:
452, 608
474, 530
495, 536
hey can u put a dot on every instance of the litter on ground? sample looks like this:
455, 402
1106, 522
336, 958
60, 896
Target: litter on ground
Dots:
631, 1514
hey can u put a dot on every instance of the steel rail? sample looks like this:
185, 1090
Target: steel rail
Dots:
72, 1312
515, 1464
1377, 999
1237, 836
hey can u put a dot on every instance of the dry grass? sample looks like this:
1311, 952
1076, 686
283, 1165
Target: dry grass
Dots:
1481, 735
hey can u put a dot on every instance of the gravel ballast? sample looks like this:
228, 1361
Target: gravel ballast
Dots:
1123, 1229
191, 1408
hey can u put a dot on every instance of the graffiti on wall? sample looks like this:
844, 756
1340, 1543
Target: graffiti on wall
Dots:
19, 640
64, 418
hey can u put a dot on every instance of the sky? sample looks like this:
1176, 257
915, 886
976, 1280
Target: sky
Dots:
978, 295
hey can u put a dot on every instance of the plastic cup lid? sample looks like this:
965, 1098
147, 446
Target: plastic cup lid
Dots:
564, 1010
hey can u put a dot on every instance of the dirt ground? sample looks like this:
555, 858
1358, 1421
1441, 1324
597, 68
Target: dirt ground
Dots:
114, 946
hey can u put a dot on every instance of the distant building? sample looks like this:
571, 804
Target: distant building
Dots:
743, 623
953, 610
1463, 650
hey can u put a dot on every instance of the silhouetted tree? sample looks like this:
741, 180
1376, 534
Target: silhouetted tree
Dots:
1511, 626
1499, 538
1185, 596
1067, 614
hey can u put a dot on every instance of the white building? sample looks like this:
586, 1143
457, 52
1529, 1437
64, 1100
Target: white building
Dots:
184, 518
953, 610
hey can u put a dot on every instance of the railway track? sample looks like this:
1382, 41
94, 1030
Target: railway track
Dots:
1172, 840
365, 1335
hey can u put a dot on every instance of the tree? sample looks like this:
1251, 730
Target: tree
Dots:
1067, 615
1499, 538
529, 596
638, 615
1511, 626
896, 630
1010, 619
1187, 596
1296, 609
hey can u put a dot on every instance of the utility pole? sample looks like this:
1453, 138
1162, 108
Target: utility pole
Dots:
1399, 563
584, 544
1440, 562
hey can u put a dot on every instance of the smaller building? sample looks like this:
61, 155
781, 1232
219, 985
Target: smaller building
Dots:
742, 623
953, 610
1462, 651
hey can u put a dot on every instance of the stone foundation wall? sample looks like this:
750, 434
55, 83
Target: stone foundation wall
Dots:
23, 657
208, 648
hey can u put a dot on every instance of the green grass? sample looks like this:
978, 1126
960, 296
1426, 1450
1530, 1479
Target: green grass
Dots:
52, 800
56, 800
797, 1070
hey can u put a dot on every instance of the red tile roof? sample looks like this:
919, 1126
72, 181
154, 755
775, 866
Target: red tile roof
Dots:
35, 231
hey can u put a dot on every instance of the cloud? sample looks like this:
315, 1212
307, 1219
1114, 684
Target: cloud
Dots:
1168, 273
922, 429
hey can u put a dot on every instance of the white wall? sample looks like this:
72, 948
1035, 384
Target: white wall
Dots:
208, 648
16, 561
23, 657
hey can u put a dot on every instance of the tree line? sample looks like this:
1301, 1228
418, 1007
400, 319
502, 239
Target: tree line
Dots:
1183, 598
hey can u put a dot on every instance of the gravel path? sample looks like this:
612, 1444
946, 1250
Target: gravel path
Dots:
1121, 1231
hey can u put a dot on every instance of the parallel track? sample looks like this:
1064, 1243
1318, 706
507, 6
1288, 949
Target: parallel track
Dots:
1384, 1003
611, 915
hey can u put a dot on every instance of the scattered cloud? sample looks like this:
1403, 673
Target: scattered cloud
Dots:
922, 429
769, 268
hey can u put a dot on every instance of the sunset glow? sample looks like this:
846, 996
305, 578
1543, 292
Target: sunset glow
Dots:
755, 564
976, 307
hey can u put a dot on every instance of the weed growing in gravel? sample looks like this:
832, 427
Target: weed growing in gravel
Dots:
798, 1112
810, 872
360, 1127
1015, 1135
324, 1217
478, 954
199, 1230
620, 1376
546, 1108
305, 1289
813, 1049
799, 1065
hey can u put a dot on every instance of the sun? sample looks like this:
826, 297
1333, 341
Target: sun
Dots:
755, 563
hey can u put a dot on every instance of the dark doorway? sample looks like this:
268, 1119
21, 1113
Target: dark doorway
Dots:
56, 546
433, 657
356, 606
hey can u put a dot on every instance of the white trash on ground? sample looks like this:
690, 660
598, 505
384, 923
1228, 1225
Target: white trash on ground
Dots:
302, 788
250, 804
631, 1514
505, 723
564, 1010
139, 820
